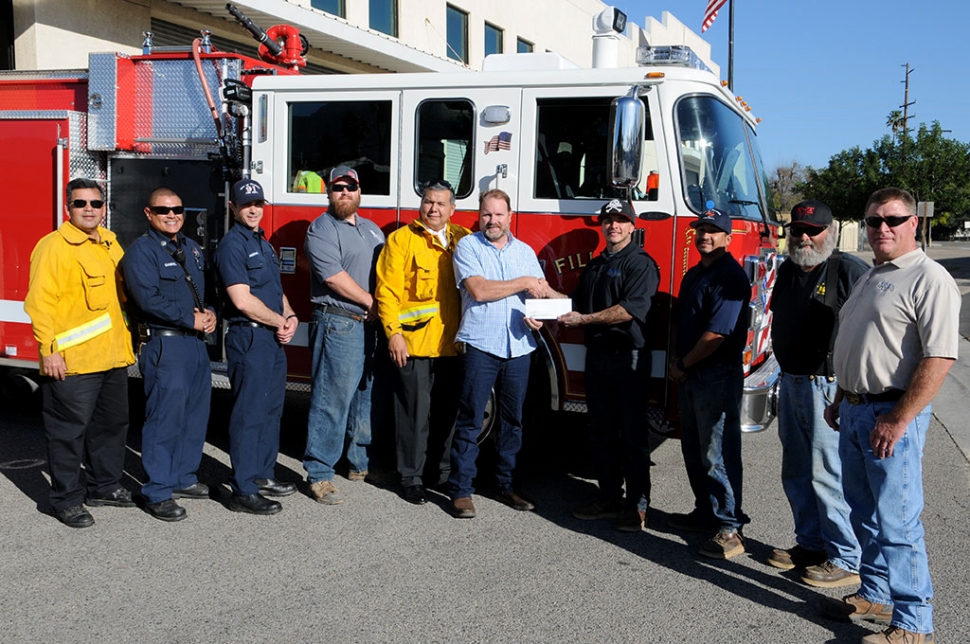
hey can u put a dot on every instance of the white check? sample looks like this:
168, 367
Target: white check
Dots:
549, 309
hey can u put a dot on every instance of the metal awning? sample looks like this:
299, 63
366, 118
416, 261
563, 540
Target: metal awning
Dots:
332, 34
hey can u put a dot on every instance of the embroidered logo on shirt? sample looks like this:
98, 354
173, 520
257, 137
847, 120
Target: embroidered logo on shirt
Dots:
885, 287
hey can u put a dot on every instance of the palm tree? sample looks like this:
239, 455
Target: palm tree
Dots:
895, 122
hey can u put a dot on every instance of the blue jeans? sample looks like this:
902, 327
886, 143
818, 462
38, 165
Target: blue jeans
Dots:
710, 416
340, 397
480, 372
811, 472
621, 442
886, 497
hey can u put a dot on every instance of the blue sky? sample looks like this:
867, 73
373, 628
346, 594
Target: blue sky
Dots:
824, 74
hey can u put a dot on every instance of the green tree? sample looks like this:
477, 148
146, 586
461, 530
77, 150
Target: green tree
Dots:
928, 164
895, 122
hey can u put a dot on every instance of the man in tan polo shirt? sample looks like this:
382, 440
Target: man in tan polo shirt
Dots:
899, 337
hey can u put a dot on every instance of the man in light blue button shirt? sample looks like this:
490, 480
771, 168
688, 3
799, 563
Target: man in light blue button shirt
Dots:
495, 273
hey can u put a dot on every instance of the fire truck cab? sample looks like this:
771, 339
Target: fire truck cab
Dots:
558, 139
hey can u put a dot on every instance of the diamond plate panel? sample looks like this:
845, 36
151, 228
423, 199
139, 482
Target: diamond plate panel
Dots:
102, 101
81, 161
179, 109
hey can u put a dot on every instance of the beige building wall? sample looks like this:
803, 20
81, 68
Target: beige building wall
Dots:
59, 34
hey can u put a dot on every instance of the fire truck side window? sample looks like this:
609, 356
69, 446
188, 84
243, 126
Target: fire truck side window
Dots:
572, 157
444, 136
327, 134
718, 167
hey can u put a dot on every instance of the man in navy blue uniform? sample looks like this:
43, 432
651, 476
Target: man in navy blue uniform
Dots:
260, 321
712, 322
165, 281
612, 300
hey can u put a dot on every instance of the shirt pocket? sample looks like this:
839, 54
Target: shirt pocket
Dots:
255, 269
98, 287
169, 277
425, 278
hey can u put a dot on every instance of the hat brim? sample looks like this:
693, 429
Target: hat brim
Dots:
810, 224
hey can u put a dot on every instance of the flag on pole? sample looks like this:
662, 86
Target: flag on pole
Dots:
711, 13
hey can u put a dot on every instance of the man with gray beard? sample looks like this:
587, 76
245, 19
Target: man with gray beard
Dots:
812, 285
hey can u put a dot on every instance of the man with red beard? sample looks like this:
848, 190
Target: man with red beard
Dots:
813, 284
342, 247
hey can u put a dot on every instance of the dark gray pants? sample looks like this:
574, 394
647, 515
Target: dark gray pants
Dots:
425, 406
85, 421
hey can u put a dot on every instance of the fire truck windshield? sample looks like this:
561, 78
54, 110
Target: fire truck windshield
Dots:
719, 168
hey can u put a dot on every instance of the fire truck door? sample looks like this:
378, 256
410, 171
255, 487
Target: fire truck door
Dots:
29, 166
467, 136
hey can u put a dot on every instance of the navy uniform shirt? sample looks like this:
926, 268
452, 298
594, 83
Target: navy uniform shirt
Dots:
629, 278
156, 284
715, 299
245, 257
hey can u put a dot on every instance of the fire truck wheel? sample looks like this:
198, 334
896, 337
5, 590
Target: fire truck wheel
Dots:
488, 422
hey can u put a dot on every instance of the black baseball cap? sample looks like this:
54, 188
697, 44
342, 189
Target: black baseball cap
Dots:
716, 218
618, 207
811, 213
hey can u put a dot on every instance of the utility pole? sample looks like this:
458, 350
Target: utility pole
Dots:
906, 101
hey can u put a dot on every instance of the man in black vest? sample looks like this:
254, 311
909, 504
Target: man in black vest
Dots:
812, 285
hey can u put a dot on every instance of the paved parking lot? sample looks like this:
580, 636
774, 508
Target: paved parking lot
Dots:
377, 569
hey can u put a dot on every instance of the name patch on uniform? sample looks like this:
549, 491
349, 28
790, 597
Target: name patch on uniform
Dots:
166, 264
254, 253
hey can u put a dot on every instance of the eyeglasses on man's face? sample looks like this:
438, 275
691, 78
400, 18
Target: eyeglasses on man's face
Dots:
891, 220
97, 204
341, 187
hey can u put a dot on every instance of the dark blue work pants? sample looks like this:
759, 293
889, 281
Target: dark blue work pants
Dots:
178, 388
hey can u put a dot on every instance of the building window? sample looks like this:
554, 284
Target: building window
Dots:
493, 39
336, 7
457, 34
383, 16
325, 134
444, 150
523, 46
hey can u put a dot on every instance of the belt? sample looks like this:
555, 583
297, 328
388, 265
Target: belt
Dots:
890, 395
336, 310
180, 333
255, 325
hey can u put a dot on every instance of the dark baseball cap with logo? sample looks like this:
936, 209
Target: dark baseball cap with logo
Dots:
811, 213
716, 218
247, 191
620, 208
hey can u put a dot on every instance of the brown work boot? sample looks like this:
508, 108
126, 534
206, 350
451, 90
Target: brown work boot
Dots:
897, 635
463, 508
796, 557
631, 521
829, 575
723, 545
854, 608
357, 476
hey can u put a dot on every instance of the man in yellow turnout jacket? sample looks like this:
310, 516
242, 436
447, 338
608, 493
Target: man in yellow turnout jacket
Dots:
85, 349
420, 309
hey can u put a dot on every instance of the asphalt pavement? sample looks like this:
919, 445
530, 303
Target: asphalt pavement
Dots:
377, 569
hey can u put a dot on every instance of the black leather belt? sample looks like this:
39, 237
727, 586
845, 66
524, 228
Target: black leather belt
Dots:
179, 333
255, 325
891, 395
334, 310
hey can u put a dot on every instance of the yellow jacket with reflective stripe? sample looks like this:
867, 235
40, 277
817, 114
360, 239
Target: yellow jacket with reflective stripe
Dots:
416, 291
73, 300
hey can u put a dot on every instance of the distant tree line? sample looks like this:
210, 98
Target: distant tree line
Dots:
929, 164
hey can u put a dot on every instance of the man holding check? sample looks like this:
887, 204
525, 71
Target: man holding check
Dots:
612, 301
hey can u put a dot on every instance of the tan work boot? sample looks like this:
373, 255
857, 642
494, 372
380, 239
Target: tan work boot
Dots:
325, 492
855, 608
897, 635
463, 508
830, 575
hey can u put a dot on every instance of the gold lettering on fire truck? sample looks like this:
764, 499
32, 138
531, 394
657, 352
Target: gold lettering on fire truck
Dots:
573, 262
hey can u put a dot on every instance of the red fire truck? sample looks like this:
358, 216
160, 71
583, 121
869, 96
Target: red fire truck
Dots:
560, 140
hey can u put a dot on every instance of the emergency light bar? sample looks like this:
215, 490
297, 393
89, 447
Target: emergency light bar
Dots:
681, 55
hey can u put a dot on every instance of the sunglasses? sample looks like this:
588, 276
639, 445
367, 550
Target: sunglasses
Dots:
811, 231
437, 182
164, 210
97, 204
340, 187
892, 220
